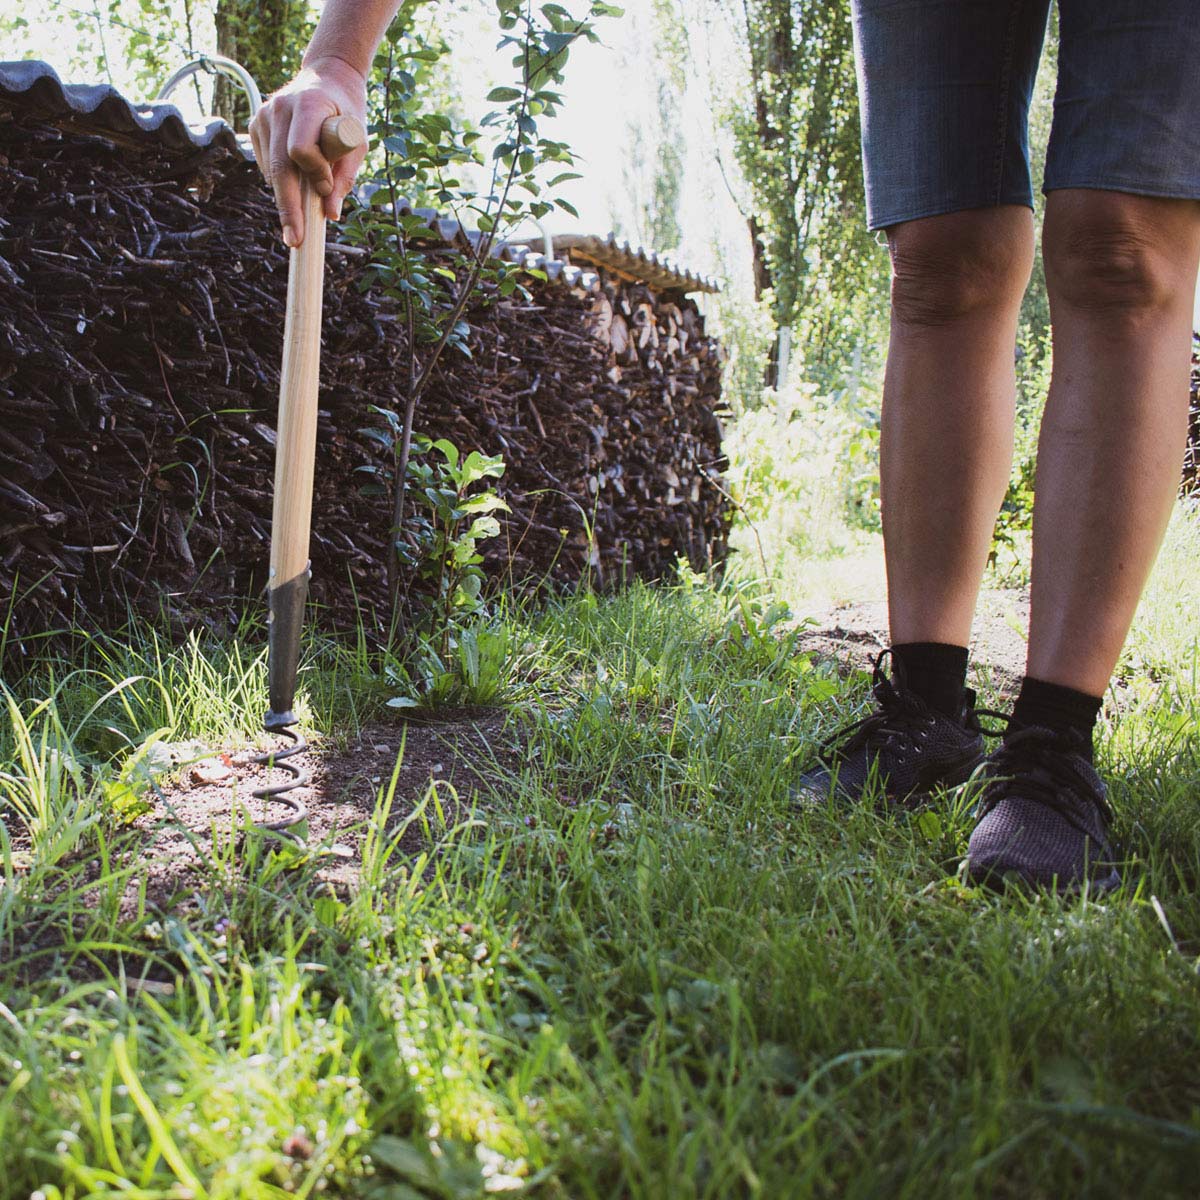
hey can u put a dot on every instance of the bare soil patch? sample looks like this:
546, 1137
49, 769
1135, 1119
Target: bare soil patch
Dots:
201, 815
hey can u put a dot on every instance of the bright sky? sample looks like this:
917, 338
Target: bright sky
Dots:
611, 94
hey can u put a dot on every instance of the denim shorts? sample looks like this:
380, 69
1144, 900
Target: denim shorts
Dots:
945, 86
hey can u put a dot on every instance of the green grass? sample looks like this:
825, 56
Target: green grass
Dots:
624, 968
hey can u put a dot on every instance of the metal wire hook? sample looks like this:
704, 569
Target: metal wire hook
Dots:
214, 64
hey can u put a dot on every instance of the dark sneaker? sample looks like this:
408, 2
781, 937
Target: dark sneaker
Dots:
905, 747
1043, 817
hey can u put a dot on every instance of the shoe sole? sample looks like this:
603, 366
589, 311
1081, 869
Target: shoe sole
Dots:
1011, 879
808, 798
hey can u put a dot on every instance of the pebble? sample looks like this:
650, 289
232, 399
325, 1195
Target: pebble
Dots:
211, 771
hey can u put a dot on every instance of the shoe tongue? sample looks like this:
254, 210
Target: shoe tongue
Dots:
1055, 754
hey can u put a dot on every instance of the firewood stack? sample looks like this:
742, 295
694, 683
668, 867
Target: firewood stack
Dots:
660, 387
141, 299
1191, 460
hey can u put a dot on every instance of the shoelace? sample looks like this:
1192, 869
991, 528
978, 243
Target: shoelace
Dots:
901, 715
1044, 765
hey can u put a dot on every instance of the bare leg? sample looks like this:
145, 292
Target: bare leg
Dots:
1121, 273
949, 395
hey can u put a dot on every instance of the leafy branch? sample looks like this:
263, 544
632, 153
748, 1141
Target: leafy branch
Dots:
419, 150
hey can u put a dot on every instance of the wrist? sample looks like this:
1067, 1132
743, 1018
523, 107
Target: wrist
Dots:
335, 69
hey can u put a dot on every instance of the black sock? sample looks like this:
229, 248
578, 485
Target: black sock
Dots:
1062, 709
935, 672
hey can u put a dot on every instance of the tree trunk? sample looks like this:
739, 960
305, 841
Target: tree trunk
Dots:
267, 38
763, 281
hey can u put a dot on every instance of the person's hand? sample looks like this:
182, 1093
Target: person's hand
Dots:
285, 132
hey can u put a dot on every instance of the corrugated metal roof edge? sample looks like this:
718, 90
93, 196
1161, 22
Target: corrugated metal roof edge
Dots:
605, 252
36, 85
621, 256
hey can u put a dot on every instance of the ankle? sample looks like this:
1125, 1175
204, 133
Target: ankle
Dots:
1060, 709
935, 672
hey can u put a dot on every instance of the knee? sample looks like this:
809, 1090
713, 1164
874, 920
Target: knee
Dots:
1109, 258
945, 270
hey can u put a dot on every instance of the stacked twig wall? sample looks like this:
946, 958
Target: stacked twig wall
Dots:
141, 301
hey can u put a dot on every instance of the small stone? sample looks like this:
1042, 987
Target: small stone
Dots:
152, 987
211, 771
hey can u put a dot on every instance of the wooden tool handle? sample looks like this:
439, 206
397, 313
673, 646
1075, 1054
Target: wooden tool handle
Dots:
295, 445
296, 437
340, 135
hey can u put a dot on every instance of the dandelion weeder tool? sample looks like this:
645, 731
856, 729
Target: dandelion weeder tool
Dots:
295, 454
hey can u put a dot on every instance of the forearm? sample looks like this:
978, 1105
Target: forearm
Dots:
351, 30
333, 81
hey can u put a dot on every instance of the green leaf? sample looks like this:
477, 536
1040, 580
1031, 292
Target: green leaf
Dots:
489, 502
405, 1160
328, 910
384, 438
397, 1191
502, 95
929, 825
556, 43
468, 656
483, 528
470, 587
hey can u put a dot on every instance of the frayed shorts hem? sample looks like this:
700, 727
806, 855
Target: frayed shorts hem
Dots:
1128, 187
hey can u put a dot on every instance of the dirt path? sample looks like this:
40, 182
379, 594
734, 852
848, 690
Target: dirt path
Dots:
853, 634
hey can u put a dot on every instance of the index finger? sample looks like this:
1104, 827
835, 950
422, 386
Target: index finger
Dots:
303, 144
344, 172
